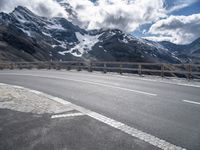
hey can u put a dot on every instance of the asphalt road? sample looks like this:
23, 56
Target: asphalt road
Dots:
168, 111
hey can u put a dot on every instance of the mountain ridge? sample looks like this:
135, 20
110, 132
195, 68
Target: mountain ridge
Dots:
58, 39
187, 52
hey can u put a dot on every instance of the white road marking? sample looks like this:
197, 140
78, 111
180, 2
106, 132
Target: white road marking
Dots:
34, 91
111, 86
191, 102
155, 141
89, 82
134, 78
59, 100
162, 144
145, 78
66, 115
18, 87
180, 84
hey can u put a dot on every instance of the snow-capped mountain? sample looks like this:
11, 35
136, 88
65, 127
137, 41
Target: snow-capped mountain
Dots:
25, 36
189, 53
50, 35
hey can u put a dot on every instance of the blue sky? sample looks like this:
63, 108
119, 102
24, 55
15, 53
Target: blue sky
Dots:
184, 8
177, 21
193, 7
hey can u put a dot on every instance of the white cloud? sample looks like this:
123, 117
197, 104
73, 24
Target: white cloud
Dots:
177, 29
159, 38
126, 15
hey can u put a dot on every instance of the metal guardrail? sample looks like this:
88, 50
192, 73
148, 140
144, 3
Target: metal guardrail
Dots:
188, 71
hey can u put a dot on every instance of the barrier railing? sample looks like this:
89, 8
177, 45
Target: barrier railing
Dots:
188, 71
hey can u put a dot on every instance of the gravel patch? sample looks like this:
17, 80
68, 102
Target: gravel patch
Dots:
25, 101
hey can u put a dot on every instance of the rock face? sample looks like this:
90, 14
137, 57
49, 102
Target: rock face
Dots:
25, 36
118, 46
189, 53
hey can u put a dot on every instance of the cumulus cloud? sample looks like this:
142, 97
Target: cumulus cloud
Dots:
126, 15
47, 8
177, 29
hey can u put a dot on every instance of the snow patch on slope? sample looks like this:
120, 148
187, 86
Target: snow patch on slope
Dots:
86, 42
19, 17
124, 40
55, 26
46, 34
26, 32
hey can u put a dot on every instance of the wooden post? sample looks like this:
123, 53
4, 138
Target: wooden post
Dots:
90, 67
20, 66
79, 66
49, 65
58, 66
189, 72
162, 70
121, 66
68, 66
140, 69
104, 68
11, 66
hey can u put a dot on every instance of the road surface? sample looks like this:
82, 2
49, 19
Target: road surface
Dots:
168, 111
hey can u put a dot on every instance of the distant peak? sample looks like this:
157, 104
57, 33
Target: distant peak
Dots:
22, 9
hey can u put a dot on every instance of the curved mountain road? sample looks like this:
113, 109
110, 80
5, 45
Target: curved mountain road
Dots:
168, 111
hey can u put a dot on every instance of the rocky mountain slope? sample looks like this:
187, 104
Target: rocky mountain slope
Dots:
189, 53
25, 36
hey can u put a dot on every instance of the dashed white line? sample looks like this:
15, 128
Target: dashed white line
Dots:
133, 76
66, 115
162, 144
191, 102
116, 87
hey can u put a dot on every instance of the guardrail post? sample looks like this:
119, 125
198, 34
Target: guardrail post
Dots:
78, 66
121, 71
29, 66
162, 70
90, 67
189, 72
11, 67
20, 66
68, 66
104, 68
58, 66
140, 69
49, 65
